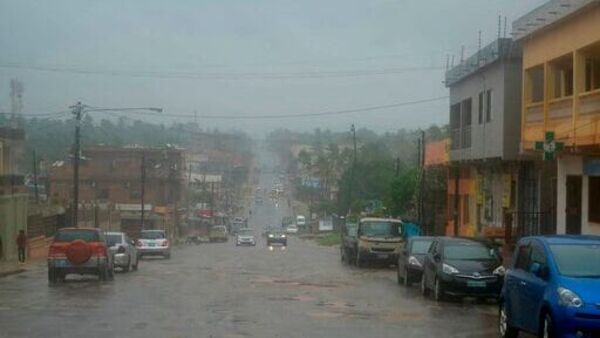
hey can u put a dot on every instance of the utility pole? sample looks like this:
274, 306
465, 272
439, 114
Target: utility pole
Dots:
143, 187
212, 202
353, 130
77, 111
35, 179
456, 199
422, 181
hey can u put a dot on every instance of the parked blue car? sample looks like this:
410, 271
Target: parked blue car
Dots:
553, 288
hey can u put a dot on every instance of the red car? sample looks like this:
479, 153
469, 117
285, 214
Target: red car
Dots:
79, 251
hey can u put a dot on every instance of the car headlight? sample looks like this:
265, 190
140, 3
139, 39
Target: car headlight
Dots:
270, 235
449, 269
568, 298
282, 236
412, 260
500, 271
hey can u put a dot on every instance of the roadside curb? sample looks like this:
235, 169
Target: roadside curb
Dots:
11, 272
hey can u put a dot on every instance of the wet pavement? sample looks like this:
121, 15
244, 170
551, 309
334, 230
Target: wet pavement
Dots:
220, 290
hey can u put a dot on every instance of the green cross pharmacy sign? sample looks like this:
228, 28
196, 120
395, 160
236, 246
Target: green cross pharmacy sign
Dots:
549, 146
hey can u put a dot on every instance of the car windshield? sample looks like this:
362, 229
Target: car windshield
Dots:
469, 251
71, 235
112, 239
380, 229
420, 247
153, 235
246, 232
577, 260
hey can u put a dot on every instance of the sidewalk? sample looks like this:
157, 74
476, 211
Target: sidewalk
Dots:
8, 268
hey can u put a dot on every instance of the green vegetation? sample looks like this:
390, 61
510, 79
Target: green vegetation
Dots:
329, 239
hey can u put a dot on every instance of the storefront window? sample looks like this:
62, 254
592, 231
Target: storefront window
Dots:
594, 199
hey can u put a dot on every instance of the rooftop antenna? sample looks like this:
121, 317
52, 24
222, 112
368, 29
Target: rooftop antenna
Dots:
452, 62
447, 62
462, 54
499, 26
505, 24
479, 49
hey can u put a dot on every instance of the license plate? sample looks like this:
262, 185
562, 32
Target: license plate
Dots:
476, 284
150, 244
382, 256
60, 264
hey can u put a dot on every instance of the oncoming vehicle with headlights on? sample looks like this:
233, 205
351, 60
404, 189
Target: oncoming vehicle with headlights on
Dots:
276, 236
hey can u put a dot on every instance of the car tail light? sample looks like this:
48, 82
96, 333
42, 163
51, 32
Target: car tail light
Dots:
121, 249
56, 251
100, 250
165, 243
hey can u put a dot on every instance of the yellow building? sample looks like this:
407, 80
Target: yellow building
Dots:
561, 103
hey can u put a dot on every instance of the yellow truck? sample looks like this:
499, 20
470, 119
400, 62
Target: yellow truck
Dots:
378, 239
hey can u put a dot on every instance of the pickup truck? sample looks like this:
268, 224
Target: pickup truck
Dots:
348, 244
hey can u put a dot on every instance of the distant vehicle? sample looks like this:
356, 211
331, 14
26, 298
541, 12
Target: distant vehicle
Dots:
245, 237
276, 236
123, 251
218, 233
153, 243
459, 267
268, 229
552, 288
348, 244
291, 229
239, 219
80, 251
378, 239
287, 220
410, 261
300, 221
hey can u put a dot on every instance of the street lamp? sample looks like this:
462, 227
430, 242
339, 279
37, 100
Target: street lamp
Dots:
78, 110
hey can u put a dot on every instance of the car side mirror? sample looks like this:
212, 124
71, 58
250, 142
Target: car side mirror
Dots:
539, 270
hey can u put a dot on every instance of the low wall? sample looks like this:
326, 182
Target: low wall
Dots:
37, 247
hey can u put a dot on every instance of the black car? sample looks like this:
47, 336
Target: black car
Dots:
276, 236
456, 266
411, 258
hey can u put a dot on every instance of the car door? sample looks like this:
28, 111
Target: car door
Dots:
514, 280
533, 288
403, 257
429, 266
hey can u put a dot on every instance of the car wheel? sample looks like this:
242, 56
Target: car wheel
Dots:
547, 327
399, 278
438, 290
103, 274
126, 267
52, 276
359, 262
424, 289
407, 281
504, 328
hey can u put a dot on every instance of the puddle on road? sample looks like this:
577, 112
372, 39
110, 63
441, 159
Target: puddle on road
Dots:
288, 282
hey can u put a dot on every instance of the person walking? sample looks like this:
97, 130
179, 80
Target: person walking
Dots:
21, 245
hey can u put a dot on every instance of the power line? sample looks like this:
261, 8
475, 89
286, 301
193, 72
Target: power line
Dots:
300, 115
224, 76
63, 112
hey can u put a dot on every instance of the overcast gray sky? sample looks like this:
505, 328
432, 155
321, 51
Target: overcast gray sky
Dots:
245, 57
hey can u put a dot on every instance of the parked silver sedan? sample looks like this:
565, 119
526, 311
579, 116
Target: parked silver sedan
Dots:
123, 250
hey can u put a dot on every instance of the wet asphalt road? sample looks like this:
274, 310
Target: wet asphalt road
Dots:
220, 290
